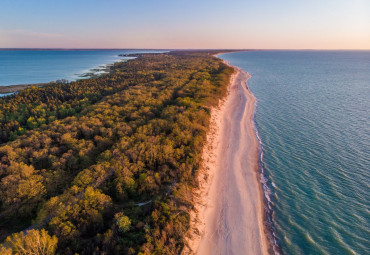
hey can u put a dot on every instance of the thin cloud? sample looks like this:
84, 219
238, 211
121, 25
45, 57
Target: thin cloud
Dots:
21, 38
34, 34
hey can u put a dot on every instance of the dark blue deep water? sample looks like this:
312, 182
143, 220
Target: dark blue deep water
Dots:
41, 66
313, 117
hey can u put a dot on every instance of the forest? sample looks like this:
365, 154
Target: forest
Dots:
107, 165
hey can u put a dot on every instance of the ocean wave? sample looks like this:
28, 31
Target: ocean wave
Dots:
267, 189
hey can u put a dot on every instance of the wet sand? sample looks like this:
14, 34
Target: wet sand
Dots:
229, 204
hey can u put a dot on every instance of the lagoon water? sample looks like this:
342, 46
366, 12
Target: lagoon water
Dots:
313, 117
41, 66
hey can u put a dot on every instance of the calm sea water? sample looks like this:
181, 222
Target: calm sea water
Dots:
313, 117
40, 66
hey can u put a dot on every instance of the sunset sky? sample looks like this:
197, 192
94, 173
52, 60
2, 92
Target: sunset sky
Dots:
238, 24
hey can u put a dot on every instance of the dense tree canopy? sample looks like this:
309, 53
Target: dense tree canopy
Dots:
107, 164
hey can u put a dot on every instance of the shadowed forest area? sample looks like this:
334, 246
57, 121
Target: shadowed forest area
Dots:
107, 165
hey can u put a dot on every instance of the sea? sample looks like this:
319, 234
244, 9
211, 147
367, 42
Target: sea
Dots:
42, 66
312, 118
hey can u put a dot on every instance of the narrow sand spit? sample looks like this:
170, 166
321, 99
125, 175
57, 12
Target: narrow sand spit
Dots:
228, 214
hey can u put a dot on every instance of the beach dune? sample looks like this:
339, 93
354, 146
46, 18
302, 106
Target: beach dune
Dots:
228, 213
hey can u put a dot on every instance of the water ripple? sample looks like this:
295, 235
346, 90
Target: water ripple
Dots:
313, 118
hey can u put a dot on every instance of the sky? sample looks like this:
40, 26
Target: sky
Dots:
185, 24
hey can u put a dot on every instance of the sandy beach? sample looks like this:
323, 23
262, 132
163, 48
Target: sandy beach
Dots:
229, 207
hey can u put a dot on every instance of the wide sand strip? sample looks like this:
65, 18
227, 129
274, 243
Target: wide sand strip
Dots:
228, 214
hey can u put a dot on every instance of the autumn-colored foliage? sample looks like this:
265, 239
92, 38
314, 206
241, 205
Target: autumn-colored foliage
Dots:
107, 164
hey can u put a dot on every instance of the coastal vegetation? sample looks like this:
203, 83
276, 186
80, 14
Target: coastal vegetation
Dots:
107, 165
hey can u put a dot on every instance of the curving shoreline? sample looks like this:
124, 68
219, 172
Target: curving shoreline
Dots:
228, 217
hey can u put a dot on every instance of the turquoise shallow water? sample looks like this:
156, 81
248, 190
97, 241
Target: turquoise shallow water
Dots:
40, 66
313, 117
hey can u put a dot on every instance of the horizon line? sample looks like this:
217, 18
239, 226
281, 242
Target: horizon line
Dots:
175, 49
